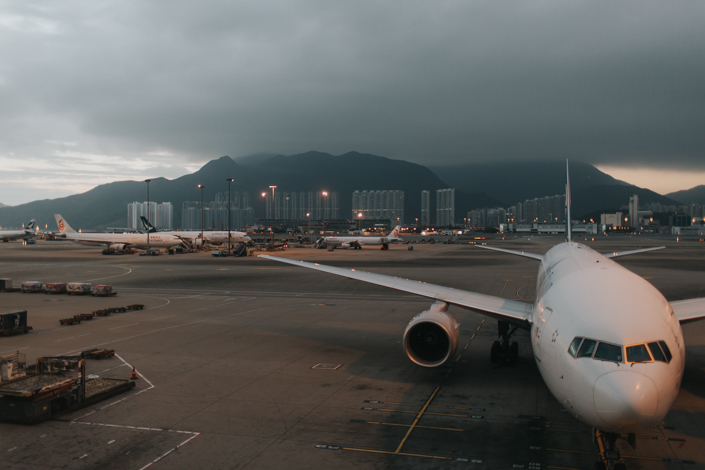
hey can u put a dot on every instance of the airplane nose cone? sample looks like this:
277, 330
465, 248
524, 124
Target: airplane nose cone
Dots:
625, 400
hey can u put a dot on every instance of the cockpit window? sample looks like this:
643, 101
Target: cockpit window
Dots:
609, 352
587, 348
638, 353
666, 351
574, 346
656, 352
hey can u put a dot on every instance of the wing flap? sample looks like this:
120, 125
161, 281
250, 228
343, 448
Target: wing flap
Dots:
689, 310
511, 311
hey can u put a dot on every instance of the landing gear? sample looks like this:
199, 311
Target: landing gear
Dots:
385, 246
609, 453
503, 351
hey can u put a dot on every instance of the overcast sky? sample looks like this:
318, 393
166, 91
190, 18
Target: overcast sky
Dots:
97, 91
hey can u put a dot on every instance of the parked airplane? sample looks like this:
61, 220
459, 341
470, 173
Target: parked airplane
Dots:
214, 237
358, 242
116, 241
607, 343
24, 234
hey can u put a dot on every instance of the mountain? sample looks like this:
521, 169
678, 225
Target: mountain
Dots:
3, 205
106, 205
696, 194
592, 190
486, 185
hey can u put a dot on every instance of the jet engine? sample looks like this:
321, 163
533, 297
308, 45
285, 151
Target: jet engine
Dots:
432, 336
117, 247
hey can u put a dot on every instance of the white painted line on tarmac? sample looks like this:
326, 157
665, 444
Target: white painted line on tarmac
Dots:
111, 442
197, 310
12, 350
116, 367
59, 340
123, 326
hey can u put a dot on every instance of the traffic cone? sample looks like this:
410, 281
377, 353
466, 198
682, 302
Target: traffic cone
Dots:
134, 374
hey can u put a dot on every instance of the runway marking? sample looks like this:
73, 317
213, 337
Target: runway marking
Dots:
408, 425
519, 290
420, 404
11, 350
387, 410
198, 310
418, 417
398, 453
111, 442
116, 367
123, 326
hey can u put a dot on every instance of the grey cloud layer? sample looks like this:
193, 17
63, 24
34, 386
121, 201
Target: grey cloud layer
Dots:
605, 82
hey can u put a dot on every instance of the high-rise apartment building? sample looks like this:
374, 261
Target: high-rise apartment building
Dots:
295, 205
159, 215
387, 204
425, 208
445, 207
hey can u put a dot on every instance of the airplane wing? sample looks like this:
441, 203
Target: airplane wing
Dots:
511, 311
689, 310
617, 254
525, 254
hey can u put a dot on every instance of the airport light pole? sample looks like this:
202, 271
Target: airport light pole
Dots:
201, 186
359, 222
264, 206
308, 217
272, 213
230, 180
147, 181
325, 206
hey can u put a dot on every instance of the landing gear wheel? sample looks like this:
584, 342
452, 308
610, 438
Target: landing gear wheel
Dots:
514, 353
495, 352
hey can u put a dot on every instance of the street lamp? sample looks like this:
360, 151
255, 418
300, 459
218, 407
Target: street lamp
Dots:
308, 217
272, 213
147, 181
230, 180
325, 206
359, 222
201, 186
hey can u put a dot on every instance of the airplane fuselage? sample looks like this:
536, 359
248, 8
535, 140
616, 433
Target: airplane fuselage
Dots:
10, 235
362, 241
133, 240
215, 237
582, 294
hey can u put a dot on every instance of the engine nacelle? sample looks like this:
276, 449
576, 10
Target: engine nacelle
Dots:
117, 247
432, 336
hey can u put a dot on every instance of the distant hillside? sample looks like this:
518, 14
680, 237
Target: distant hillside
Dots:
592, 190
488, 185
696, 194
519, 181
106, 205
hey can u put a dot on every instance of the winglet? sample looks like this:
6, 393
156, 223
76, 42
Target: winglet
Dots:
568, 222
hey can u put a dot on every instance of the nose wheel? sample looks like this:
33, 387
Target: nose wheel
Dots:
504, 351
609, 453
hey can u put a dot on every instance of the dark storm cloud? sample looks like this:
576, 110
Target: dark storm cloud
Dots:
605, 82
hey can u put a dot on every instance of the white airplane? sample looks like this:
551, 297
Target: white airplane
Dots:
116, 241
24, 234
358, 242
214, 237
606, 342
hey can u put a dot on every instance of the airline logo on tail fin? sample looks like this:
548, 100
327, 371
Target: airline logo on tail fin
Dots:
395, 232
63, 226
29, 226
150, 228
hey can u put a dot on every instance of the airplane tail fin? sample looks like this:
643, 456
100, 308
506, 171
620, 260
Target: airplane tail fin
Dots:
30, 226
568, 221
148, 226
396, 232
64, 227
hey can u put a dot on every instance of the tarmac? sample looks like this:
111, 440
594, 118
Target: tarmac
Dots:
247, 363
